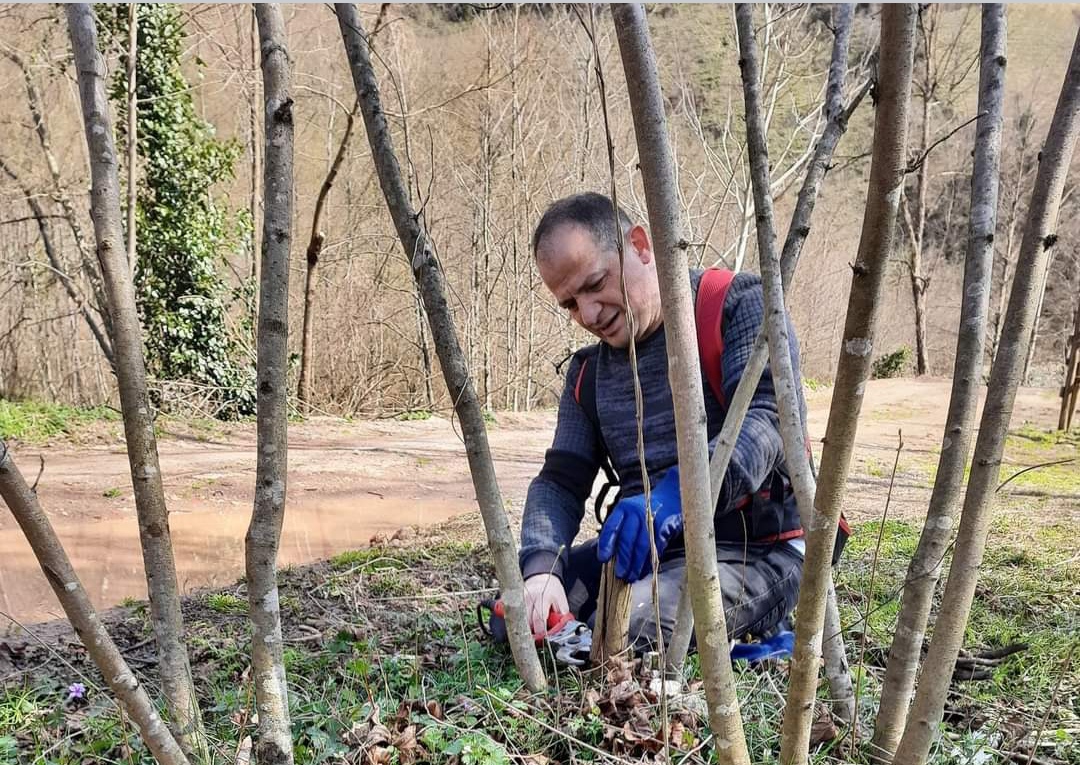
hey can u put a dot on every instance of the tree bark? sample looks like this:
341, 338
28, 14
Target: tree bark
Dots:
1071, 387
420, 250
1029, 357
1039, 238
925, 567
54, 562
917, 230
150, 505
264, 532
875, 246
798, 231
256, 158
684, 371
314, 249
132, 132
795, 742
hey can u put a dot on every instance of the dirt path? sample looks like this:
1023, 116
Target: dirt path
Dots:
350, 481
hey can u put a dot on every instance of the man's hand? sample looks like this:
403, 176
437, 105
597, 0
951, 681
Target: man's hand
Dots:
543, 593
626, 533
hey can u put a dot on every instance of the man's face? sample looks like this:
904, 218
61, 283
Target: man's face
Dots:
583, 276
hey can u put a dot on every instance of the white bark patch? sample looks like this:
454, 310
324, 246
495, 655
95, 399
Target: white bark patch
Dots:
945, 522
946, 444
126, 680
269, 449
722, 743
277, 496
815, 644
859, 346
714, 639
860, 389
97, 129
148, 471
270, 601
727, 710
514, 598
71, 586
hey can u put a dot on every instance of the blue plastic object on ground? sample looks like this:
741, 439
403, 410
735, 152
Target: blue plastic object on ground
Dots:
779, 646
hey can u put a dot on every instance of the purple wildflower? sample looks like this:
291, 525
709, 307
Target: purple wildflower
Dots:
76, 691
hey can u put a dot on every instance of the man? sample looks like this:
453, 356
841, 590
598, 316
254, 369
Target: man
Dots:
759, 545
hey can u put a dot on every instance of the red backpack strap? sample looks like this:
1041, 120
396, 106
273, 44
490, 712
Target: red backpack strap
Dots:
709, 310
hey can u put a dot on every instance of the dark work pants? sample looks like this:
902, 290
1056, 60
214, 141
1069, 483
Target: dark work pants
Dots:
759, 582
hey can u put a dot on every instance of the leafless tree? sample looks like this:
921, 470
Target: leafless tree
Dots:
150, 506
875, 246
419, 248
314, 249
925, 567
1039, 239
944, 63
670, 245
274, 746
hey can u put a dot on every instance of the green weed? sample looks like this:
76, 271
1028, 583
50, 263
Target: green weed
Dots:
413, 415
112, 493
226, 603
390, 584
891, 364
36, 422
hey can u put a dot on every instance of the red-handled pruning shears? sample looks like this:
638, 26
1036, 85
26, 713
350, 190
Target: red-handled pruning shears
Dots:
569, 639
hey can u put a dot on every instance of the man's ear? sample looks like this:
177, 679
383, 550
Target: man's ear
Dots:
639, 237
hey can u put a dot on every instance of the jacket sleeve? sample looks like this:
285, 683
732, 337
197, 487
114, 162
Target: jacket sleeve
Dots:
555, 503
759, 448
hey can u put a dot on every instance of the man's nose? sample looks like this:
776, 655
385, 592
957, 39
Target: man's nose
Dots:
589, 310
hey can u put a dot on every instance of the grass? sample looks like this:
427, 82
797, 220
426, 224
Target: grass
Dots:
413, 415
36, 422
226, 603
415, 679
1027, 593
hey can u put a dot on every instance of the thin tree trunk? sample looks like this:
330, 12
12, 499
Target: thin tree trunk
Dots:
264, 532
431, 284
314, 249
1071, 387
54, 562
425, 350
798, 230
164, 591
816, 574
256, 158
1029, 357
613, 604
1039, 238
925, 567
684, 370
875, 246
919, 282
132, 131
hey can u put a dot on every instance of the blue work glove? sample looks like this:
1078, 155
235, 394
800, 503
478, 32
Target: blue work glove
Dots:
625, 533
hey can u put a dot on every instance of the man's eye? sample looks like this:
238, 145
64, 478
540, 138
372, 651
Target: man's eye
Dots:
596, 286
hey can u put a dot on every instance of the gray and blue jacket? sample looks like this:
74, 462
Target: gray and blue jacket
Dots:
755, 503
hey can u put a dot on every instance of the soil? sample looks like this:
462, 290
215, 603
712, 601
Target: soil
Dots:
351, 481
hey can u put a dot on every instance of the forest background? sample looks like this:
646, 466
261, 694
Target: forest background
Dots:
497, 113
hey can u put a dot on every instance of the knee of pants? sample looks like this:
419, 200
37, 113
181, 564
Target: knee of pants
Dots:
642, 631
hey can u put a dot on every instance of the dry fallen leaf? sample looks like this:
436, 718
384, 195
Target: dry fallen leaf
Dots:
823, 728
